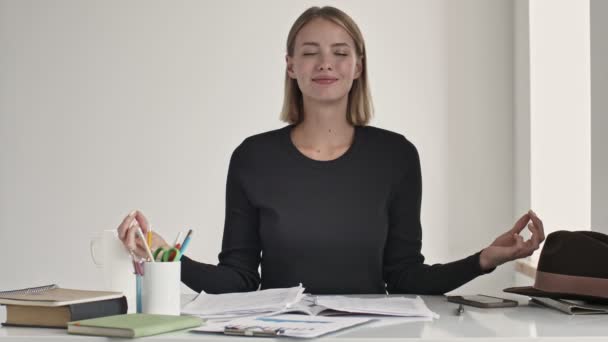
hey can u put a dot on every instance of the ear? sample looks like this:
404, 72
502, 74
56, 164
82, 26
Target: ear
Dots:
358, 67
289, 62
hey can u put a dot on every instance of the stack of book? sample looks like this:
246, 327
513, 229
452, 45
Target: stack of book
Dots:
53, 307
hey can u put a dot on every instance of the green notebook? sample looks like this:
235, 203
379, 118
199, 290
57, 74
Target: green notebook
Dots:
133, 325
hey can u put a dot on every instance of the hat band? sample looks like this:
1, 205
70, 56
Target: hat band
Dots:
561, 283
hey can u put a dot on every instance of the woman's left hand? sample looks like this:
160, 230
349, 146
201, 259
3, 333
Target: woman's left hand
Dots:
510, 245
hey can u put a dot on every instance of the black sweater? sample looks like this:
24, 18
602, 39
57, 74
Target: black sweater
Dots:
346, 226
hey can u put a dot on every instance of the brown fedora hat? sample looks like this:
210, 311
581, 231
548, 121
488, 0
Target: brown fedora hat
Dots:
572, 265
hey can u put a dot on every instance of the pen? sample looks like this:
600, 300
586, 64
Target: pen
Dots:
182, 249
135, 268
460, 310
138, 268
150, 236
140, 264
176, 243
138, 301
134, 259
143, 239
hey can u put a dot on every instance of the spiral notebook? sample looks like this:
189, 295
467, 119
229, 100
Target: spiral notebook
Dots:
53, 295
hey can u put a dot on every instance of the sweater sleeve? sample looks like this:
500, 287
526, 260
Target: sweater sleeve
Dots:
237, 270
404, 269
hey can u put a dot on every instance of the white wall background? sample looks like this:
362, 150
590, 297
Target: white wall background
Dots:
599, 115
560, 121
108, 106
480, 130
553, 156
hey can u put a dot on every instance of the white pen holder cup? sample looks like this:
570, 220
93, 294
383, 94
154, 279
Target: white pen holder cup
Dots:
161, 288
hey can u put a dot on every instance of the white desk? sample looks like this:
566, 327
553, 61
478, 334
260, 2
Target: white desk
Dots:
523, 323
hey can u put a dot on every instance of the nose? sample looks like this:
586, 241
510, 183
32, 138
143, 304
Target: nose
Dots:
325, 63
325, 66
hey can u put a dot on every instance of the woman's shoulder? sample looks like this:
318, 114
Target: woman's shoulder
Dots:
386, 139
262, 143
265, 139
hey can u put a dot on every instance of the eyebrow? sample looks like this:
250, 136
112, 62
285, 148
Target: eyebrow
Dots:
317, 44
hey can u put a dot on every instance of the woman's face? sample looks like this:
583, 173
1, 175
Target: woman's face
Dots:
324, 62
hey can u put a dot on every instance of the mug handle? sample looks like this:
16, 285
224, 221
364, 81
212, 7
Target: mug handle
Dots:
92, 248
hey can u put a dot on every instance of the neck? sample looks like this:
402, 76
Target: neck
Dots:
324, 125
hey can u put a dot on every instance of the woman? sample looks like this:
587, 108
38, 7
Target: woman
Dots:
328, 201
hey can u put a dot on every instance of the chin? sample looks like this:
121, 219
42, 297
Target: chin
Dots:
328, 98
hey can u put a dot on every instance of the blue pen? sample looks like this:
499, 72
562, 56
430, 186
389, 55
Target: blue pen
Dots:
138, 302
182, 249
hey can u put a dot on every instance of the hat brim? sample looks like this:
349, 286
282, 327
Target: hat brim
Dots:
530, 291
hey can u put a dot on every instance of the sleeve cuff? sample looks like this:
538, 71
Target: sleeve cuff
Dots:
477, 264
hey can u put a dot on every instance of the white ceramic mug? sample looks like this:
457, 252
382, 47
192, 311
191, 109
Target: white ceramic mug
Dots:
161, 288
113, 258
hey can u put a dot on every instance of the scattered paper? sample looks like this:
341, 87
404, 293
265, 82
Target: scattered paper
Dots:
389, 306
244, 303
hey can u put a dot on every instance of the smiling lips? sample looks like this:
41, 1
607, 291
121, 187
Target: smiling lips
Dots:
324, 80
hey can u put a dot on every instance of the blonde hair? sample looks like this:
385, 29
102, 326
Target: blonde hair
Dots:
360, 109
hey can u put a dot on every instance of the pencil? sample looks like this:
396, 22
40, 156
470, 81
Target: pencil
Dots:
143, 239
176, 243
182, 249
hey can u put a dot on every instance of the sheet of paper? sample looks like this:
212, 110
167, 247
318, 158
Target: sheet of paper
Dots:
244, 303
392, 306
290, 325
391, 320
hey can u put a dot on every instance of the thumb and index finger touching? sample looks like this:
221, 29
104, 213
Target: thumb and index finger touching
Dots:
535, 225
133, 219
521, 223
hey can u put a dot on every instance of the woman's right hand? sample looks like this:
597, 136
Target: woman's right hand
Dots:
127, 234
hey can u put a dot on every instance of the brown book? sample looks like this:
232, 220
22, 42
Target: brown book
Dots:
53, 307
53, 295
59, 316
